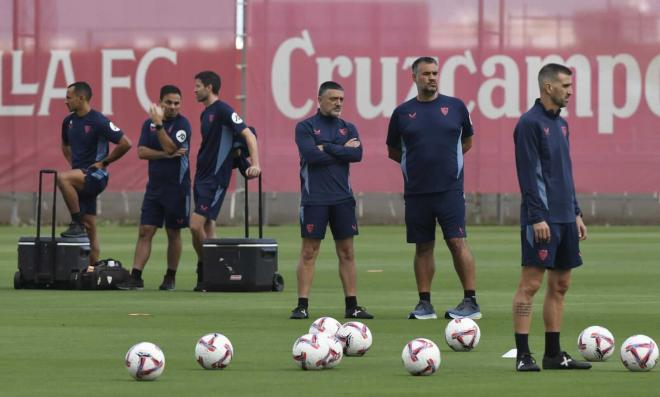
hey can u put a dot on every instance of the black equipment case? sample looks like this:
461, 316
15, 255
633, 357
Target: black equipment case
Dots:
242, 264
50, 262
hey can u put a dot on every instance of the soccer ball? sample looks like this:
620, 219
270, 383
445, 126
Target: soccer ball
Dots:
421, 357
639, 353
596, 343
335, 350
214, 351
462, 334
311, 351
325, 324
355, 338
145, 361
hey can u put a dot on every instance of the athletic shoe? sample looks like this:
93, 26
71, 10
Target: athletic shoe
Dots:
526, 363
357, 312
468, 308
167, 284
131, 284
563, 361
199, 287
75, 230
299, 313
423, 311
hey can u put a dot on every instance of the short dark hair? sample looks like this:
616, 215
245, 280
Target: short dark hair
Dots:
169, 89
419, 60
329, 85
82, 88
207, 78
550, 72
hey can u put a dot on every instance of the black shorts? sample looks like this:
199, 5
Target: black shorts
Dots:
208, 198
422, 212
315, 218
96, 180
171, 207
562, 252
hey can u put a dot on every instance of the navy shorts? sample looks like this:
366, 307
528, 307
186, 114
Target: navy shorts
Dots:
562, 252
208, 198
315, 218
171, 207
422, 212
96, 179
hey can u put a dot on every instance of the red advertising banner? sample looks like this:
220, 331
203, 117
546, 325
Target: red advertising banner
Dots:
126, 50
489, 54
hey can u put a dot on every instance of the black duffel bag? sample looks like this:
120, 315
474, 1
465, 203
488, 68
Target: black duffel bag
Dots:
106, 274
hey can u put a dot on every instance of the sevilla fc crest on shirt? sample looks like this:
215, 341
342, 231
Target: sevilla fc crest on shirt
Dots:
343, 131
444, 110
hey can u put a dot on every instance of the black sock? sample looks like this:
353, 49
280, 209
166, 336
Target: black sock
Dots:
425, 296
200, 272
77, 217
522, 344
351, 302
136, 274
470, 293
303, 302
551, 344
171, 274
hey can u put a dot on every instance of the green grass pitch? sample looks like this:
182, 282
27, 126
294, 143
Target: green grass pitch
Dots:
72, 343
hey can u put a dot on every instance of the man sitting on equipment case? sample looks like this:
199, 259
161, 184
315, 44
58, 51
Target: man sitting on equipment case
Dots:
85, 136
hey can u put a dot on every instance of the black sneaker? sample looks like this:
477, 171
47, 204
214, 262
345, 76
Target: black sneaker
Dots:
75, 230
131, 284
357, 312
199, 287
564, 361
299, 313
526, 363
167, 284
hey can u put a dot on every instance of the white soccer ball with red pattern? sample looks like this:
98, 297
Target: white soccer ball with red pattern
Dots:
421, 357
462, 334
145, 361
214, 351
355, 337
596, 343
335, 350
311, 351
639, 353
325, 324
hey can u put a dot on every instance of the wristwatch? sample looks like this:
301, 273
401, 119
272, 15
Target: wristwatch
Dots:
105, 163
159, 126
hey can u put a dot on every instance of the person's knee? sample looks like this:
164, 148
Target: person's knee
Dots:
197, 226
529, 288
559, 287
424, 249
173, 235
346, 254
456, 245
309, 252
146, 232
